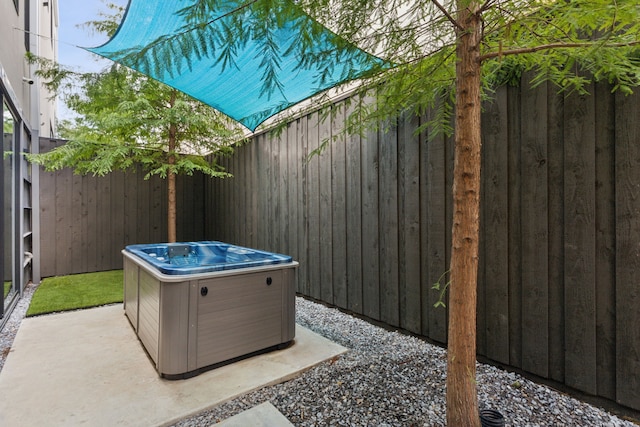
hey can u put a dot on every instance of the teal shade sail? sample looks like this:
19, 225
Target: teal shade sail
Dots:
249, 60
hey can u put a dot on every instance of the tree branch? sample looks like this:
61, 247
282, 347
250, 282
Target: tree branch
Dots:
448, 15
551, 46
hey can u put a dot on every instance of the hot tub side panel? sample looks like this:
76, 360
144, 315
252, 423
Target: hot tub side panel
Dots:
288, 305
131, 292
238, 315
149, 313
174, 334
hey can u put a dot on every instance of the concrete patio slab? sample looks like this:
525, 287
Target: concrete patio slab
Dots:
88, 368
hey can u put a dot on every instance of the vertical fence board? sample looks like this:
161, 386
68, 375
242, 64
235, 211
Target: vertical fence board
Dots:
426, 291
76, 212
388, 231
143, 210
104, 223
313, 208
243, 188
164, 204
89, 213
236, 205
579, 253
48, 215
221, 204
274, 194
436, 232
409, 282
254, 191
354, 220
262, 190
627, 167
338, 210
157, 215
285, 194
303, 205
181, 214
534, 199
117, 218
274, 201
370, 226
132, 192
292, 201
605, 241
63, 198
494, 223
324, 212
84, 225
198, 206
515, 227
231, 229
556, 168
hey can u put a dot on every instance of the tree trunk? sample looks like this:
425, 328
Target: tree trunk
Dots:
171, 207
462, 399
171, 180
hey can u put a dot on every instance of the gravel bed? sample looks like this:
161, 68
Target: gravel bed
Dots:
10, 329
392, 379
385, 379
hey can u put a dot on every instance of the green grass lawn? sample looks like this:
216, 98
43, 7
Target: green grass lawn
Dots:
76, 291
7, 288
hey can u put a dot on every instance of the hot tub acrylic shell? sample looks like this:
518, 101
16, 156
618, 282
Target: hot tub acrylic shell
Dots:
189, 323
203, 257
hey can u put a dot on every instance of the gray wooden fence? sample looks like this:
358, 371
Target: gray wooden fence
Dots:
86, 221
369, 221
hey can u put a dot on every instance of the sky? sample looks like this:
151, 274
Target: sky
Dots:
71, 37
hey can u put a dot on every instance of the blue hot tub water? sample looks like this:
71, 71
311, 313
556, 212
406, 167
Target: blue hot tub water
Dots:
203, 257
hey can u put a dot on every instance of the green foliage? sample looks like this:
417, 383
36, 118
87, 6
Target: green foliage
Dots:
441, 287
63, 293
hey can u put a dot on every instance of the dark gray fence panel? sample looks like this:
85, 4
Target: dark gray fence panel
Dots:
354, 218
557, 269
493, 303
370, 226
303, 202
86, 221
313, 211
339, 212
514, 100
534, 212
556, 170
579, 188
388, 225
325, 221
434, 248
627, 186
605, 259
409, 277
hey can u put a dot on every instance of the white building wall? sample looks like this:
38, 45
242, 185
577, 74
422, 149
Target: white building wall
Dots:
25, 26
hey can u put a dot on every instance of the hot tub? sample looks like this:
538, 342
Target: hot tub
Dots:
197, 305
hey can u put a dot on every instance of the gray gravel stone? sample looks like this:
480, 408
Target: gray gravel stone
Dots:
10, 329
